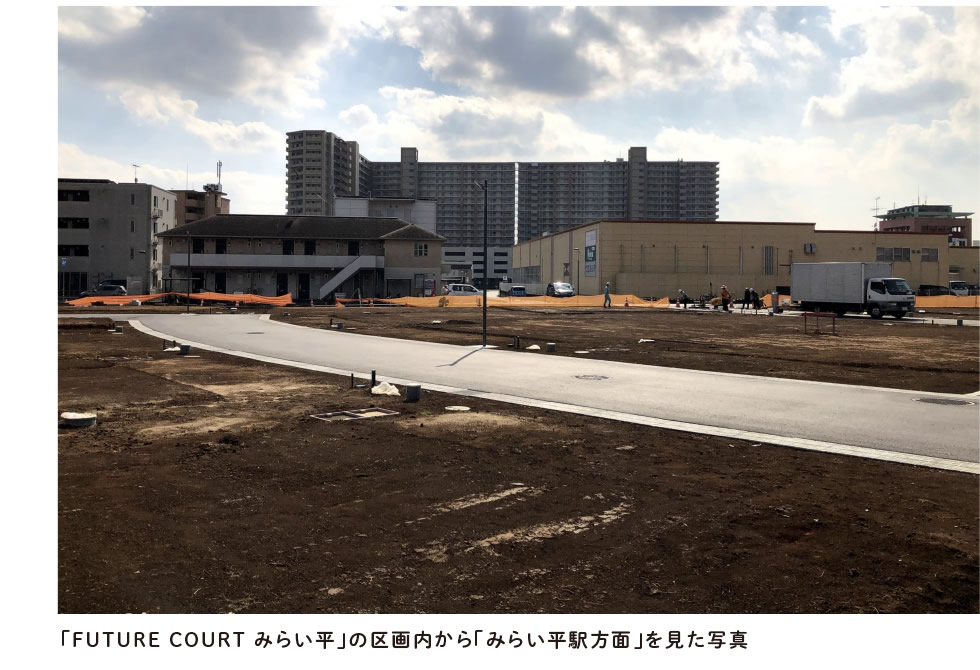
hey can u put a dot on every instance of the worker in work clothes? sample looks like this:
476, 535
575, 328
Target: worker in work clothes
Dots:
608, 301
726, 297
745, 298
682, 298
755, 299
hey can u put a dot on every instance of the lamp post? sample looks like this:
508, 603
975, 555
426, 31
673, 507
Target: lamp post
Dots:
578, 265
188, 309
486, 194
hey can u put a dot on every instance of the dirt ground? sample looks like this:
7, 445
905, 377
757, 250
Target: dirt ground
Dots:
889, 353
206, 486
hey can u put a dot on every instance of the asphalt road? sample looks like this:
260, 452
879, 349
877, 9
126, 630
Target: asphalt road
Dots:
875, 418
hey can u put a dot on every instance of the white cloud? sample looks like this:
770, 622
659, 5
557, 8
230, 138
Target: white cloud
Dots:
908, 64
161, 107
97, 24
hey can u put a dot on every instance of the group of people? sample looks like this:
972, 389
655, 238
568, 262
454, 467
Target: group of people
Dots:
750, 300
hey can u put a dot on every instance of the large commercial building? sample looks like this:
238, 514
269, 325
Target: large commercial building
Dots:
656, 259
958, 226
525, 200
106, 234
309, 257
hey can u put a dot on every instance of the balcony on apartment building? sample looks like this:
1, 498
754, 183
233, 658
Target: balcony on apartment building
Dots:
272, 261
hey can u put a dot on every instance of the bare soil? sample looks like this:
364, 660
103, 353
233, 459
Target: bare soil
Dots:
206, 486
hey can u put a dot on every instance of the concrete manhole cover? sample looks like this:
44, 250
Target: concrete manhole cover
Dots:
944, 401
593, 378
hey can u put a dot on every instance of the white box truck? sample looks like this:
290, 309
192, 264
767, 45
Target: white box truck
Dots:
851, 287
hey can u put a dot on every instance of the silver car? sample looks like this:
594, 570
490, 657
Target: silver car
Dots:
557, 289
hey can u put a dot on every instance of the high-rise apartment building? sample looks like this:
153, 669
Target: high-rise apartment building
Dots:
526, 200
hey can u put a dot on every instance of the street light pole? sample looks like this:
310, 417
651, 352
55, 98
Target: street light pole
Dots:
188, 310
486, 195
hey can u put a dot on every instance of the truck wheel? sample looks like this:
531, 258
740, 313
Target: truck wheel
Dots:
841, 312
874, 312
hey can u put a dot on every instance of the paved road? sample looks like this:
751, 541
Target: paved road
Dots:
882, 419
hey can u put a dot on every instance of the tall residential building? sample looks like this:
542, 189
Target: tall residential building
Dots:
526, 200
958, 226
106, 234
319, 167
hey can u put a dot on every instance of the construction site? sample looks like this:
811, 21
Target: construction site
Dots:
212, 483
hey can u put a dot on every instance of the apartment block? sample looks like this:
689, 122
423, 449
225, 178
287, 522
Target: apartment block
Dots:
106, 234
958, 226
196, 205
319, 167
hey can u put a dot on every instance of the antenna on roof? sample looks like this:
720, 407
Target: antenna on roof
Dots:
875, 208
219, 175
187, 176
135, 167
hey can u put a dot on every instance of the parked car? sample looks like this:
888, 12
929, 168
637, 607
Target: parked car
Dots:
104, 289
463, 289
930, 289
557, 289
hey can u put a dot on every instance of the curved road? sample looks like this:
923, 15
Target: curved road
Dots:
782, 411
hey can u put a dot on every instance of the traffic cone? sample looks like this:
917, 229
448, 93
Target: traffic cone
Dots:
627, 303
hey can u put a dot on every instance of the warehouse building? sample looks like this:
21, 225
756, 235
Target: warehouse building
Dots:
657, 258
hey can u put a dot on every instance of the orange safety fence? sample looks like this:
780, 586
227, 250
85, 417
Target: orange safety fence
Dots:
948, 301
244, 299
509, 301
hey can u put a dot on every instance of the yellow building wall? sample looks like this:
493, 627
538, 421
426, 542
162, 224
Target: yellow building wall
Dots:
654, 259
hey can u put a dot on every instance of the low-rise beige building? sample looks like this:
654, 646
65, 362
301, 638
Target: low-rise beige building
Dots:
312, 258
656, 259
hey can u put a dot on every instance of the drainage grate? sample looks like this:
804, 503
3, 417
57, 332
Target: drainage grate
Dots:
592, 378
352, 414
944, 401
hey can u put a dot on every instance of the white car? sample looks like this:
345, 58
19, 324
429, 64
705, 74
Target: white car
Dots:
463, 289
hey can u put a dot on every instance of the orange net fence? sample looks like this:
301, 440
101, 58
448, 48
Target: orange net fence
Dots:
243, 299
508, 301
948, 301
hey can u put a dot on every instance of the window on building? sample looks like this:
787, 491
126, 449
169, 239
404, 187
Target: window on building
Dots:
132, 198
132, 253
768, 260
155, 203
197, 246
500, 253
309, 247
886, 254
72, 222
154, 253
287, 247
809, 248
132, 226
454, 253
73, 250
930, 255
68, 195
421, 249
154, 226
221, 246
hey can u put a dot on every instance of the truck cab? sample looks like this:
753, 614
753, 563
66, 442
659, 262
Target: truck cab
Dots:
889, 295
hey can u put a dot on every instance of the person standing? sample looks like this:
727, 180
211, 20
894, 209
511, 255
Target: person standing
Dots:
726, 297
755, 300
745, 298
683, 298
608, 301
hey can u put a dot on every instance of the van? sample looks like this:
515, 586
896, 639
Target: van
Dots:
463, 289
104, 289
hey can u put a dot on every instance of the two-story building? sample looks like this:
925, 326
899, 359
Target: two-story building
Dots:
312, 258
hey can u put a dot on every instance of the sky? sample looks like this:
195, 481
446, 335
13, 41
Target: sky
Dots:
815, 114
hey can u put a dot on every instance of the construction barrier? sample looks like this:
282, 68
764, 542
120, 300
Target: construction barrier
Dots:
244, 299
960, 301
620, 301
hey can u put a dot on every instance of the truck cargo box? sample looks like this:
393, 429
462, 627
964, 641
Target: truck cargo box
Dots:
834, 282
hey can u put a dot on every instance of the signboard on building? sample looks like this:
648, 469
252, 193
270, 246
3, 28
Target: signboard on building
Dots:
430, 288
590, 246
